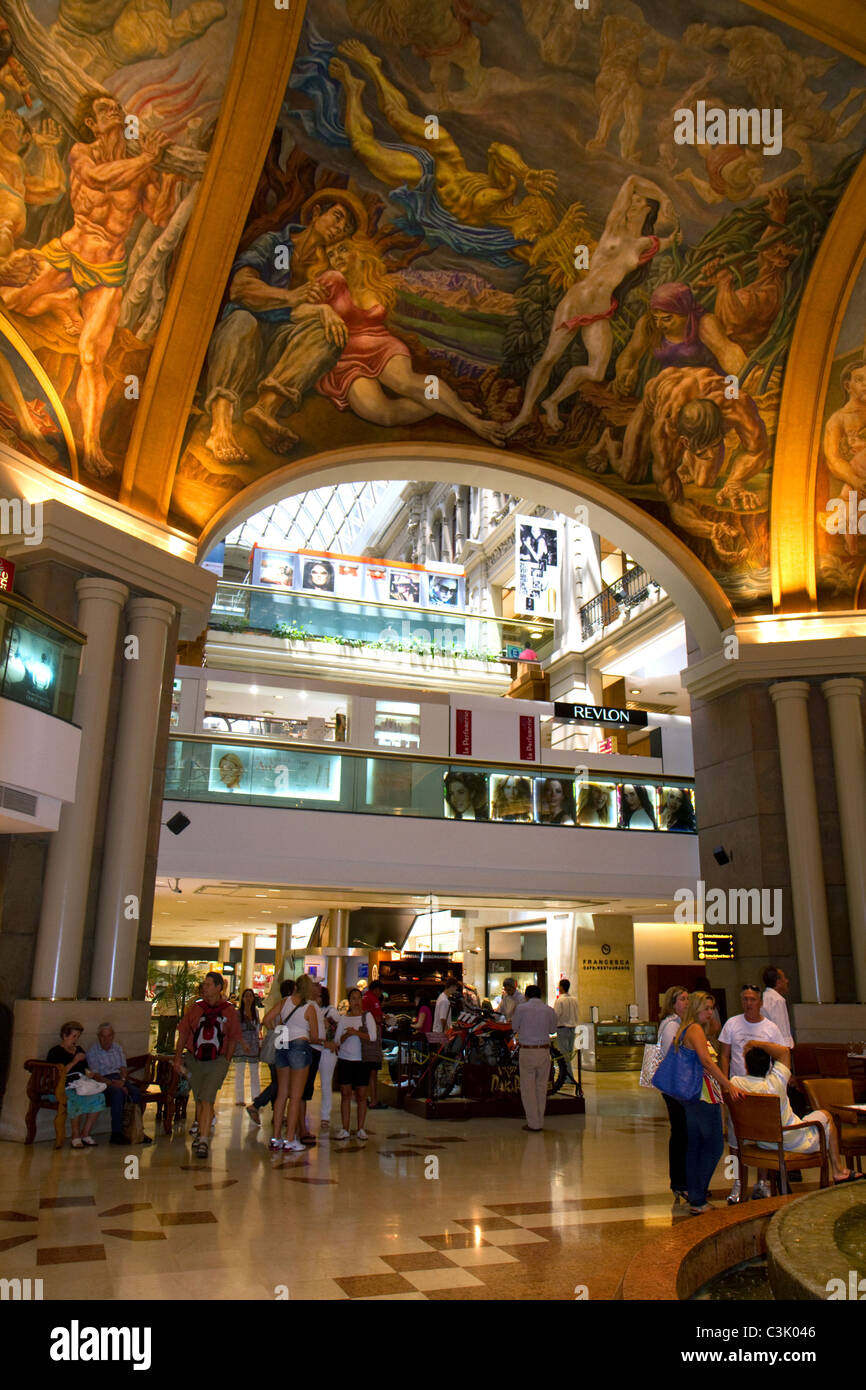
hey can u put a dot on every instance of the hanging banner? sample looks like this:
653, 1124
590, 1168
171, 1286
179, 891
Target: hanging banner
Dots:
463, 732
538, 547
7, 576
527, 738
438, 585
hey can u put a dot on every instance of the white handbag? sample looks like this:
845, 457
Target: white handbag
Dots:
652, 1055
85, 1086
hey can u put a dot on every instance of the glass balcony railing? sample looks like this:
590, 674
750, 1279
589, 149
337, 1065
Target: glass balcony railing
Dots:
350, 623
253, 772
39, 659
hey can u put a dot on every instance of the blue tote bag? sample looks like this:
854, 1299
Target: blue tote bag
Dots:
679, 1074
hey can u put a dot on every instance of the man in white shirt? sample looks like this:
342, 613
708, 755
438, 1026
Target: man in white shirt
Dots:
511, 997
749, 1026
768, 1067
442, 1012
533, 1022
773, 1005
566, 1012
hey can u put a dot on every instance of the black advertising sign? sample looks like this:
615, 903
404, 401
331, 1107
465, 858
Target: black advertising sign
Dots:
713, 945
600, 714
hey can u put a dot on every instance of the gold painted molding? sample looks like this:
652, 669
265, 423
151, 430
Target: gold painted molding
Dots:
804, 391
409, 460
839, 23
262, 63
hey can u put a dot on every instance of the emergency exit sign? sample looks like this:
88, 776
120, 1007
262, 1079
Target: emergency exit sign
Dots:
712, 945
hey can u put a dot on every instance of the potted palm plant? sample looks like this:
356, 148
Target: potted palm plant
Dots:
171, 990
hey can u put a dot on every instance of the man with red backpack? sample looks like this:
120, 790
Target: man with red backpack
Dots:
209, 1032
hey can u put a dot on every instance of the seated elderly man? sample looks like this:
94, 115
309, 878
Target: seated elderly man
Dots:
107, 1060
769, 1071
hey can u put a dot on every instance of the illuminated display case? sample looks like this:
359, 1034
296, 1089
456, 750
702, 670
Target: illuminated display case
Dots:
397, 725
619, 1046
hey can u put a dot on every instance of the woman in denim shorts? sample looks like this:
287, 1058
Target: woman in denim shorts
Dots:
296, 1027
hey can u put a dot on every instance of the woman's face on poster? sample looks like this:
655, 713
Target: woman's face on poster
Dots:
319, 577
231, 769
552, 797
459, 796
630, 796
599, 798
675, 800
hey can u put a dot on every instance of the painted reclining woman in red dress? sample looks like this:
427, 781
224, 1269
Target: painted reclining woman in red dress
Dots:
360, 292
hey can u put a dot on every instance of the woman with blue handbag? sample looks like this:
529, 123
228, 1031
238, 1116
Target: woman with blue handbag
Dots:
689, 1073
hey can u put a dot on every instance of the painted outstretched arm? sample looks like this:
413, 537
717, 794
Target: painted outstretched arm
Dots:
753, 458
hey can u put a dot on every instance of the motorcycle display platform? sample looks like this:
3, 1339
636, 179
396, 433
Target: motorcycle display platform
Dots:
505, 1105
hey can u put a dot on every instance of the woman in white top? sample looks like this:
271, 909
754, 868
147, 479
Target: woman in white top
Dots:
329, 1018
674, 1006
297, 1029
353, 1073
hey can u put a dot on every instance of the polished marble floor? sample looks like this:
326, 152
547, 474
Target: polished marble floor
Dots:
478, 1209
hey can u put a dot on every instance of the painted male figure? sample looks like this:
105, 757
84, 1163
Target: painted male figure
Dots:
109, 189
258, 332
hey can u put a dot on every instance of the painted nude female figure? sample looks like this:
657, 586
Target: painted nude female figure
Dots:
627, 242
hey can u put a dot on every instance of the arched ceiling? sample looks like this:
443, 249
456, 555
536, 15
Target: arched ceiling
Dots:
238, 238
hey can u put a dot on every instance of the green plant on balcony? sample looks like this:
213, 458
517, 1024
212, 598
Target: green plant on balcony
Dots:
416, 647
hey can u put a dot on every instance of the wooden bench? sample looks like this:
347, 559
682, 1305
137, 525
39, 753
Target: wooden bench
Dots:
47, 1079
155, 1077
158, 1081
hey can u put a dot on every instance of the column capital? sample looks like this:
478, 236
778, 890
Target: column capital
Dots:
790, 690
851, 686
95, 587
158, 609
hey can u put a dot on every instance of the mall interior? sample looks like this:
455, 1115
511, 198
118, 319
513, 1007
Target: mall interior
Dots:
386, 479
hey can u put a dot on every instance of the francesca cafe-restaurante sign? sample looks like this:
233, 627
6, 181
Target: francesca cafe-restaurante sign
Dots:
599, 714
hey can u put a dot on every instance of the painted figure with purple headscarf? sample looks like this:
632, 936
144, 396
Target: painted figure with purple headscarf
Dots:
675, 332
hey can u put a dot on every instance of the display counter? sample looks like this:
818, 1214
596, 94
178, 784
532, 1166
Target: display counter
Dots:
615, 1046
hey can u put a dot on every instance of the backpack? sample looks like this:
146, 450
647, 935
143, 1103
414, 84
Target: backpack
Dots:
207, 1040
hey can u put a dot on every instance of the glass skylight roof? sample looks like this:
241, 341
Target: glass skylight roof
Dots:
337, 518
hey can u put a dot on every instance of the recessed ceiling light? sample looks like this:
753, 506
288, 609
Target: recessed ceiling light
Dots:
279, 697
635, 691
669, 692
254, 690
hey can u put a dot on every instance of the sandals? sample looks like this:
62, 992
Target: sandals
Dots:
91, 1143
852, 1177
78, 1143
200, 1148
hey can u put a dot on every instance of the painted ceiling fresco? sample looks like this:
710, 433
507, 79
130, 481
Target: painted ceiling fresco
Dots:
477, 223
840, 496
107, 110
412, 267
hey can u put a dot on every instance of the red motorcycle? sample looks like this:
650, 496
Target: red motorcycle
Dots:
476, 1039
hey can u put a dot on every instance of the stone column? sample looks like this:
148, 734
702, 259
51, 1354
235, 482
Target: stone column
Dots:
148, 620
338, 935
284, 944
248, 962
849, 761
67, 877
225, 950
811, 927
